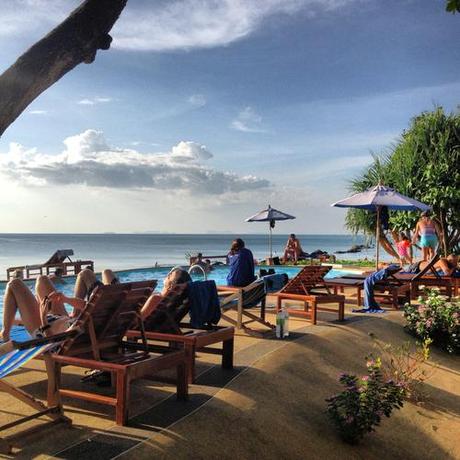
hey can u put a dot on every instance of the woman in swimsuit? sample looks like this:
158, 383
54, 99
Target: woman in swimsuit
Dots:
42, 315
427, 232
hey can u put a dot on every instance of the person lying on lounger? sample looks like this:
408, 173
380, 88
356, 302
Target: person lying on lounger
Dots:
445, 266
42, 315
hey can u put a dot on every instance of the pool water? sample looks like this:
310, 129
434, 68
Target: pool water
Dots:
218, 274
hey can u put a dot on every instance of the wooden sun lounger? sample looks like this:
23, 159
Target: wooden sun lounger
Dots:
310, 287
23, 352
240, 299
105, 320
165, 325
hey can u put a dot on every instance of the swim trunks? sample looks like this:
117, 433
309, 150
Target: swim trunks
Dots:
428, 241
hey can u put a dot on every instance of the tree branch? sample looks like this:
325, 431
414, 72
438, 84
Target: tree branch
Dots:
74, 41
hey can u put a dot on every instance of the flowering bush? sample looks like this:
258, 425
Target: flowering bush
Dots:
436, 319
359, 408
406, 364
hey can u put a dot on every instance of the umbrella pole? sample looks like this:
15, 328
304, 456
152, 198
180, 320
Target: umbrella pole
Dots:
377, 239
270, 240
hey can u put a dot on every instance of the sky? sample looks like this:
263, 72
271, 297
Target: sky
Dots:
203, 112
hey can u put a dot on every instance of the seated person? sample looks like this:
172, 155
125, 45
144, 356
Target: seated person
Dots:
293, 249
175, 276
241, 263
42, 315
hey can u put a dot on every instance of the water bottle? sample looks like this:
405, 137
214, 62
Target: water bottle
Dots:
280, 324
286, 323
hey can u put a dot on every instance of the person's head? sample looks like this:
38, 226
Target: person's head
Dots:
425, 214
59, 272
292, 236
208, 261
237, 245
404, 237
176, 276
199, 256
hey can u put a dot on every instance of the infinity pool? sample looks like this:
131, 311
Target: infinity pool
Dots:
218, 274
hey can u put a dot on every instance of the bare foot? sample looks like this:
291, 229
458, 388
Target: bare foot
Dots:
3, 336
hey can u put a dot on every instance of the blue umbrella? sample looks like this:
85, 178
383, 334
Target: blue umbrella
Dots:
269, 215
377, 197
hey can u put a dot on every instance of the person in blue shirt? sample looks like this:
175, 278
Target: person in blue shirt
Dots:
241, 263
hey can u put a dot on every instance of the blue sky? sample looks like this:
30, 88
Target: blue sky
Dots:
202, 112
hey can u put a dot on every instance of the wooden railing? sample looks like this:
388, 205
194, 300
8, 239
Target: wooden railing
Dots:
34, 271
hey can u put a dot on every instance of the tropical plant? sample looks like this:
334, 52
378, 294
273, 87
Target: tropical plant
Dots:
406, 365
359, 408
435, 319
453, 6
425, 165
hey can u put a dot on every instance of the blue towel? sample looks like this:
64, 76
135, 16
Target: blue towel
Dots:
369, 300
274, 283
204, 303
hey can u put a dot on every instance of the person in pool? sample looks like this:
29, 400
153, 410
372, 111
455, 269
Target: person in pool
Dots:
427, 230
241, 263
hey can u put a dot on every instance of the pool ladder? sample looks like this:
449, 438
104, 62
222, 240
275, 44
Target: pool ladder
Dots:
201, 268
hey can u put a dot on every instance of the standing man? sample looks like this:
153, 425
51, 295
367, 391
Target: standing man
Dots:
241, 263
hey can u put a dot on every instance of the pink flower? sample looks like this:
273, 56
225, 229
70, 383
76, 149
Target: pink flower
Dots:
365, 378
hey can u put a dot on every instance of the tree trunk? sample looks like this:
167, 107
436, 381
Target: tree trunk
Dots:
387, 246
74, 41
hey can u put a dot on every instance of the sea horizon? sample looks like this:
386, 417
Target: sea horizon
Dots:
121, 251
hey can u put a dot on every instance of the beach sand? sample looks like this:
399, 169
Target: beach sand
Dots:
271, 406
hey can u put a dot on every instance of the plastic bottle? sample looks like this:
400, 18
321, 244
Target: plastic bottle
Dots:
286, 323
280, 324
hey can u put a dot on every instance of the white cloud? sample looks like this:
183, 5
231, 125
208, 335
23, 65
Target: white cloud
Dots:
94, 100
89, 160
38, 112
185, 24
248, 121
197, 100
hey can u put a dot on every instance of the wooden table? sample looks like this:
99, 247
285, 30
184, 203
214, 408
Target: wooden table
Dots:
312, 304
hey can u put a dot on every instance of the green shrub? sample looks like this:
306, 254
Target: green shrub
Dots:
436, 319
359, 408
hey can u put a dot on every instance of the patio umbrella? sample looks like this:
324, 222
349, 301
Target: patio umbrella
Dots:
269, 215
375, 199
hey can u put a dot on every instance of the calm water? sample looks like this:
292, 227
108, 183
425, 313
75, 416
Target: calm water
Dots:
133, 251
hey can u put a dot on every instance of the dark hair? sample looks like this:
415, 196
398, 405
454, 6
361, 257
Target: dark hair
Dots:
426, 214
292, 235
59, 271
199, 254
237, 244
404, 236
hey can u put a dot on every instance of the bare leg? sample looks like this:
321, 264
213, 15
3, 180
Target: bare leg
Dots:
85, 281
19, 297
43, 288
108, 277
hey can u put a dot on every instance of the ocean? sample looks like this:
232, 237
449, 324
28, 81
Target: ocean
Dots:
127, 251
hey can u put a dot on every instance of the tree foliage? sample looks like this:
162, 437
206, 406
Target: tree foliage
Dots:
425, 165
453, 6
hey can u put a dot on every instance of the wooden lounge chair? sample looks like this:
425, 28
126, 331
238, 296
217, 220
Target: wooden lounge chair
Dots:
310, 287
240, 300
429, 277
165, 324
394, 290
106, 318
23, 352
